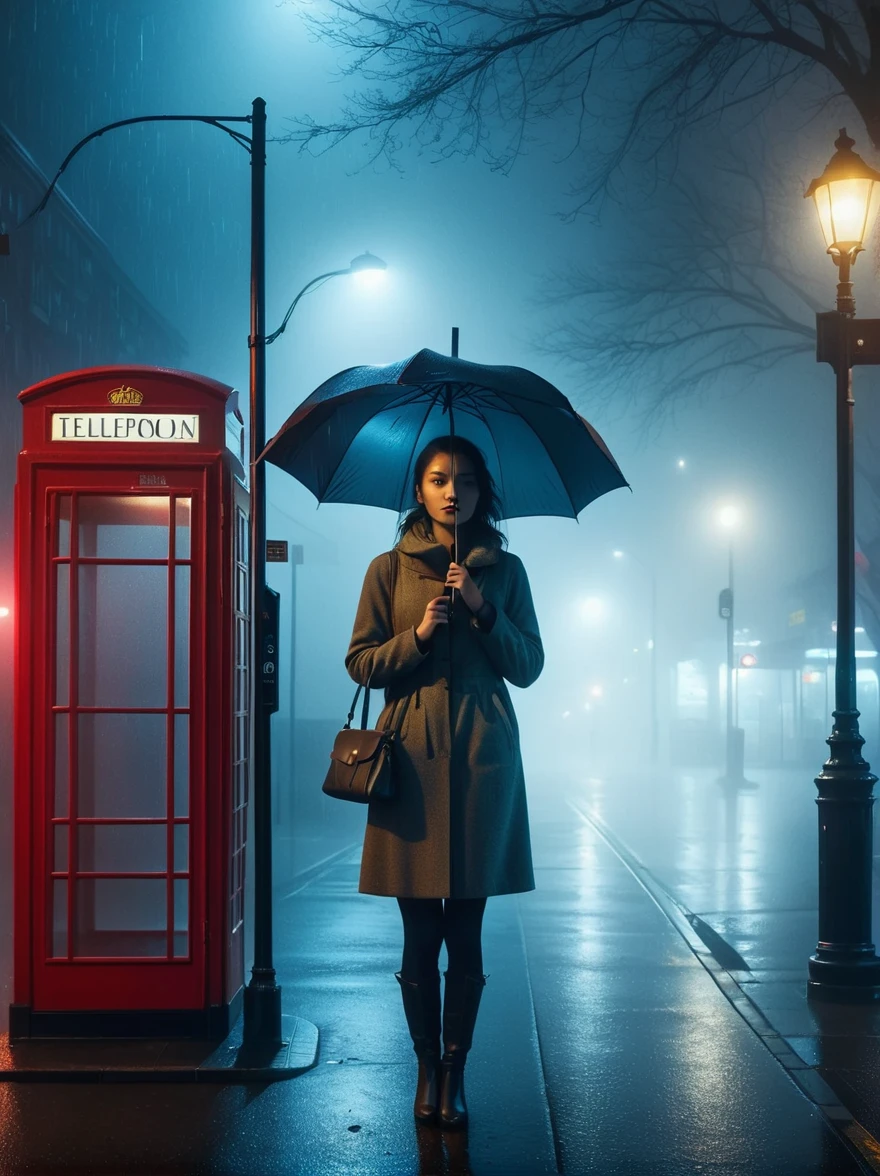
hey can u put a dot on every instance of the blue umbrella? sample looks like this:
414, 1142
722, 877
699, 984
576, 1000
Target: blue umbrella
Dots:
357, 437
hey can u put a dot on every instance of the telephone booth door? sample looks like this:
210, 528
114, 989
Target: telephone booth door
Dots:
132, 723
123, 690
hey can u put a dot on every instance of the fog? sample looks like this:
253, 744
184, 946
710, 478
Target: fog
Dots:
478, 249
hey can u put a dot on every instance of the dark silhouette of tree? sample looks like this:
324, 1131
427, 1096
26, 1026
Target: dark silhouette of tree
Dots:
713, 283
464, 76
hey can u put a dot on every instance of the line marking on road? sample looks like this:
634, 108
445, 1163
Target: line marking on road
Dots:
312, 873
536, 1042
863, 1147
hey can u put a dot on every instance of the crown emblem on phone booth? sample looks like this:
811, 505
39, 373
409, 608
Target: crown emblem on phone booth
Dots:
125, 395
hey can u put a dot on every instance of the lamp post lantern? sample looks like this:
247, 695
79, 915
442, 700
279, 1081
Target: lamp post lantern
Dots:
844, 966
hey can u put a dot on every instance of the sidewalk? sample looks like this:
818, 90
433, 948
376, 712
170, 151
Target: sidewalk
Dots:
737, 873
606, 1045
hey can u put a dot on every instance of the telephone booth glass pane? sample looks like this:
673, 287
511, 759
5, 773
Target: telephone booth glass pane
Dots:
62, 841
62, 633
181, 635
182, 512
123, 617
120, 849
62, 764
120, 917
181, 849
181, 917
181, 765
59, 917
62, 546
121, 527
122, 765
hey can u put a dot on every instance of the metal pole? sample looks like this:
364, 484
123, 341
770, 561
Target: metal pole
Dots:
655, 738
845, 966
262, 996
729, 699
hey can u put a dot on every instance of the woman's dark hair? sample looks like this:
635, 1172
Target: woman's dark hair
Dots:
488, 509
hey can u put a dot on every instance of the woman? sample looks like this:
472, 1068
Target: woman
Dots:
458, 830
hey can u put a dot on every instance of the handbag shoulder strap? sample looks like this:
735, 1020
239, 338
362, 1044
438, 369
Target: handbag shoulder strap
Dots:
365, 711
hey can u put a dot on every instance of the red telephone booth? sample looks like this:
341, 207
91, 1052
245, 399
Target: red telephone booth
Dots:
132, 724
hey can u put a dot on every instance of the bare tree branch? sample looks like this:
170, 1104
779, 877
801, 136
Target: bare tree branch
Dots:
466, 77
709, 290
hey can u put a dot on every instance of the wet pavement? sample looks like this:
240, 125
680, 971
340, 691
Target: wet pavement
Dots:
744, 864
608, 1041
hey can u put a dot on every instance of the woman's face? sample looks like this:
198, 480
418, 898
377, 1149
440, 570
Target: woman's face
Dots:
438, 494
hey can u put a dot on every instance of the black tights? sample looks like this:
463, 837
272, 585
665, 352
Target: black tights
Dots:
428, 921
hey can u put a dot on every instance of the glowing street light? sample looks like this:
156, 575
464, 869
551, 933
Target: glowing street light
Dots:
593, 609
728, 516
366, 267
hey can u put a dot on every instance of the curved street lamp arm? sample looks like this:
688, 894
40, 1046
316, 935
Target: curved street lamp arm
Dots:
214, 120
320, 278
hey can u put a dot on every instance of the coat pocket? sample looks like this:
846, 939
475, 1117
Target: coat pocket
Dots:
505, 720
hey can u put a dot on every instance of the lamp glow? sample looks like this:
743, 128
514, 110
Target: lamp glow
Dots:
593, 609
368, 269
728, 517
847, 198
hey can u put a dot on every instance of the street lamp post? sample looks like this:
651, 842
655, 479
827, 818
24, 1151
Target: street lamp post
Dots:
845, 966
728, 518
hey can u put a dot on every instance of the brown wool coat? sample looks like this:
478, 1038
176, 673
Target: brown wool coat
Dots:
459, 825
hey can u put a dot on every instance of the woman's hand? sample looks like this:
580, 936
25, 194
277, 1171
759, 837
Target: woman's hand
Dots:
437, 613
459, 577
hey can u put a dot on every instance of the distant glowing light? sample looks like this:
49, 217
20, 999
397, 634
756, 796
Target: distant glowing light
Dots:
565, 714
831, 654
593, 609
596, 692
617, 554
681, 463
728, 517
4, 612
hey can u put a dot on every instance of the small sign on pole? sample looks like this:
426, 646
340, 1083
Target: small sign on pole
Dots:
725, 603
276, 551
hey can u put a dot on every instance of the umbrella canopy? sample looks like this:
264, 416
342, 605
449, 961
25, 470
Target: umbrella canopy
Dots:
357, 437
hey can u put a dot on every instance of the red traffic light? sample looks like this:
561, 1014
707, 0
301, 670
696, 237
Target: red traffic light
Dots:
748, 660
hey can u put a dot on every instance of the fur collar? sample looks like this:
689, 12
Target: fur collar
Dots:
420, 545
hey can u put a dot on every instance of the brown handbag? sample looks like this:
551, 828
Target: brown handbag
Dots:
361, 762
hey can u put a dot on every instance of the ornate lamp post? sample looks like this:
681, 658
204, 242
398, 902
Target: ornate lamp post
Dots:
844, 966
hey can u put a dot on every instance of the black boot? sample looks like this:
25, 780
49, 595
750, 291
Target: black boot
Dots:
461, 1002
421, 1006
